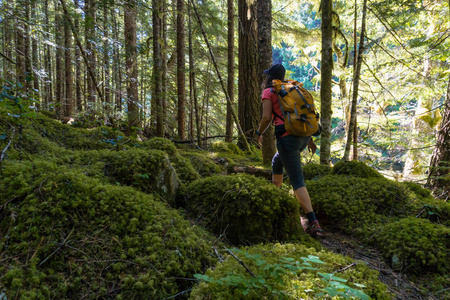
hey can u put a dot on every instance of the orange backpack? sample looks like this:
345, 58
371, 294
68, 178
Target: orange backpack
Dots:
297, 106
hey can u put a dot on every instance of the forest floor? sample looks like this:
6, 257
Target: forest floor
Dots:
397, 282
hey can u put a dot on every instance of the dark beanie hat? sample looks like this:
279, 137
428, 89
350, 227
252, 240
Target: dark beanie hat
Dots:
276, 71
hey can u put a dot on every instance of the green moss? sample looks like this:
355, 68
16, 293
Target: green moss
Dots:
204, 165
314, 171
355, 169
243, 208
418, 189
226, 147
163, 144
415, 245
65, 235
304, 284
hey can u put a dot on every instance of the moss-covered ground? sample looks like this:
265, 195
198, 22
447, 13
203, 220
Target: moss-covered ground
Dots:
93, 213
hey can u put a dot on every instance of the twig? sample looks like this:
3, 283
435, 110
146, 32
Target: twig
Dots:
57, 249
180, 293
347, 267
220, 257
241, 262
7, 146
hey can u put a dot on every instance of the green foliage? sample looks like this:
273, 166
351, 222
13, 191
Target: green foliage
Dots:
243, 208
355, 169
288, 271
418, 189
15, 103
65, 235
415, 245
314, 171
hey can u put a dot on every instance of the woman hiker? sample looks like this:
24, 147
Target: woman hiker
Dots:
289, 147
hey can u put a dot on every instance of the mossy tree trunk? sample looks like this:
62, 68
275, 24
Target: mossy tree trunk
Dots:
249, 104
131, 62
90, 20
68, 68
264, 62
326, 71
181, 65
157, 97
439, 175
231, 67
59, 73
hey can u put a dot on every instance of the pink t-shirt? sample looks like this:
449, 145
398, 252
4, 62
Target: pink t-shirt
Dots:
268, 94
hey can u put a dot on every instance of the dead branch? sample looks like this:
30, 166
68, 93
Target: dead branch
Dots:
241, 262
7, 146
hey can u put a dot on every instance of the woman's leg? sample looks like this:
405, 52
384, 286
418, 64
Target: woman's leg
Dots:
277, 170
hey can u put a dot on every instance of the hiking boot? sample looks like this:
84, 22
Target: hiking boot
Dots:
314, 228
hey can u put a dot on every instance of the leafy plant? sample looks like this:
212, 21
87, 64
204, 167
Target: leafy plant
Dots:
271, 278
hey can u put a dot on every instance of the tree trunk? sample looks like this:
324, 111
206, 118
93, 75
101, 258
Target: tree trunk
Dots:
59, 90
157, 70
28, 72
78, 99
249, 104
326, 73
230, 78
90, 20
353, 112
34, 51
181, 65
68, 69
107, 90
165, 70
117, 68
48, 87
355, 131
193, 87
439, 174
264, 62
20, 44
131, 63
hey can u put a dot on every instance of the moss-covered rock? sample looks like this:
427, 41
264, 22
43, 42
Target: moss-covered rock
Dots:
204, 165
162, 144
415, 245
315, 171
243, 208
278, 276
354, 204
226, 147
64, 235
355, 169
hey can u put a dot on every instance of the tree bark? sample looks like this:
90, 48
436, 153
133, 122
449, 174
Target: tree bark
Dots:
28, 71
59, 85
78, 58
264, 62
230, 78
181, 65
326, 73
165, 70
48, 87
20, 43
193, 89
90, 20
68, 68
107, 90
157, 98
439, 174
34, 52
353, 112
117, 64
248, 88
131, 63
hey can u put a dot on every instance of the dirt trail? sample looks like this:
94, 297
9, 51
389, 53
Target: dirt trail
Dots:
398, 283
